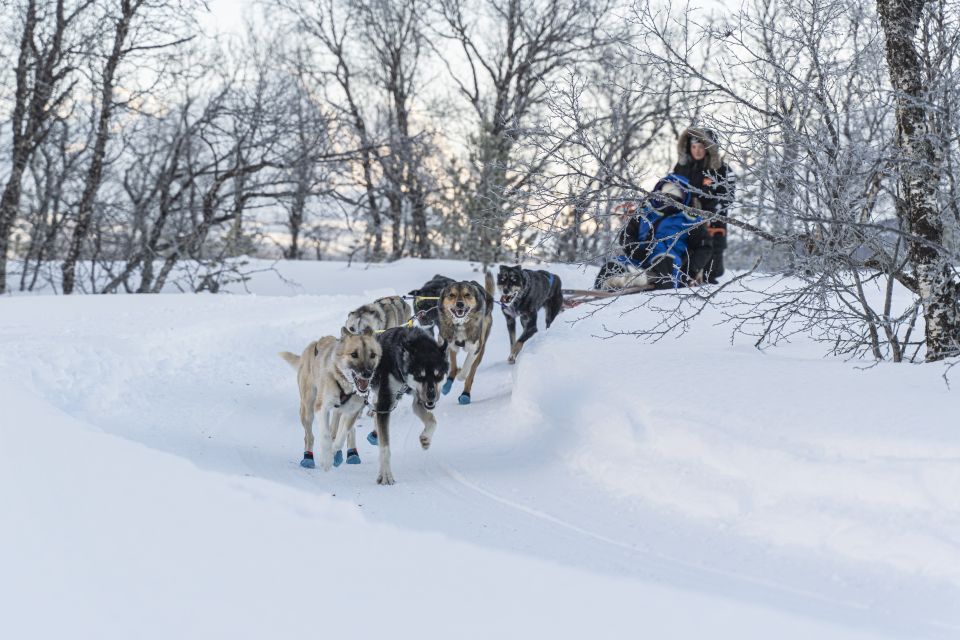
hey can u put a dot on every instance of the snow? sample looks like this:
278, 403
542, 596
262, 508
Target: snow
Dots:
692, 488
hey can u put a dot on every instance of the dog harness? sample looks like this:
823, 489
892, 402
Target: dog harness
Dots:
344, 396
418, 316
402, 391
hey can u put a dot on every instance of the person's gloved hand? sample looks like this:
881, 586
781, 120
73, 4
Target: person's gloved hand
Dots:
719, 237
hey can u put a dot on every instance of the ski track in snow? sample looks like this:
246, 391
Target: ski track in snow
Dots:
633, 549
644, 492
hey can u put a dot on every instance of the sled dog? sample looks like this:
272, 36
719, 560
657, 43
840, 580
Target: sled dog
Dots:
427, 310
523, 293
380, 314
466, 316
624, 276
411, 363
334, 376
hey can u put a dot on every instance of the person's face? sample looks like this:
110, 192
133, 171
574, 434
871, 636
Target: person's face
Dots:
698, 150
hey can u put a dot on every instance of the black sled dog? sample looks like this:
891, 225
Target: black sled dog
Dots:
426, 300
411, 363
523, 292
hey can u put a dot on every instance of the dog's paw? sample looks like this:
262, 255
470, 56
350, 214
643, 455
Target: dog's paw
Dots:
424, 441
307, 462
464, 398
372, 438
326, 459
353, 456
512, 360
385, 477
338, 458
445, 389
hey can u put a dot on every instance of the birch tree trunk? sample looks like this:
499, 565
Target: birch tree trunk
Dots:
919, 180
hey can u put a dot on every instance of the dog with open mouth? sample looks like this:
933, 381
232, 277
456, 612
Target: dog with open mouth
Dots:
466, 316
334, 376
411, 363
523, 293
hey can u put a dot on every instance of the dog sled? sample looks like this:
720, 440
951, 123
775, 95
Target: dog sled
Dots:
575, 297
617, 277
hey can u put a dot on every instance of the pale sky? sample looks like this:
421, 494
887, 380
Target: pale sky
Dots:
226, 16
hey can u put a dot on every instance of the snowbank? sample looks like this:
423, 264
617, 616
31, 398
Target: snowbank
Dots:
599, 488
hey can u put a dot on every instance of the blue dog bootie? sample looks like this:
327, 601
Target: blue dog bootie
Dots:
353, 456
445, 389
464, 398
372, 438
338, 458
307, 462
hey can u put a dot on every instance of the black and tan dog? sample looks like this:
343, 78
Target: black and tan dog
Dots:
412, 363
523, 293
425, 301
466, 316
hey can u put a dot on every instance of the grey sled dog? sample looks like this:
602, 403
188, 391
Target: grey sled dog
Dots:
334, 377
381, 314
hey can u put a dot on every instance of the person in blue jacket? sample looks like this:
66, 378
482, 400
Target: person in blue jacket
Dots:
666, 241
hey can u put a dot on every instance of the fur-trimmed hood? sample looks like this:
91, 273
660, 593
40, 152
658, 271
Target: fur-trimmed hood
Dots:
712, 161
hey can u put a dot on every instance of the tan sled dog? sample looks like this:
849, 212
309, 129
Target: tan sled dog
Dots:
466, 316
334, 377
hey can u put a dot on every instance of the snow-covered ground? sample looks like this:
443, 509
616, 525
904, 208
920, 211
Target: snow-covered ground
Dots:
150, 487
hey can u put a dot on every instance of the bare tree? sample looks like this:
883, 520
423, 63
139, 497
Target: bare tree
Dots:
375, 89
394, 30
512, 50
311, 134
138, 25
333, 28
53, 37
160, 184
54, 169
